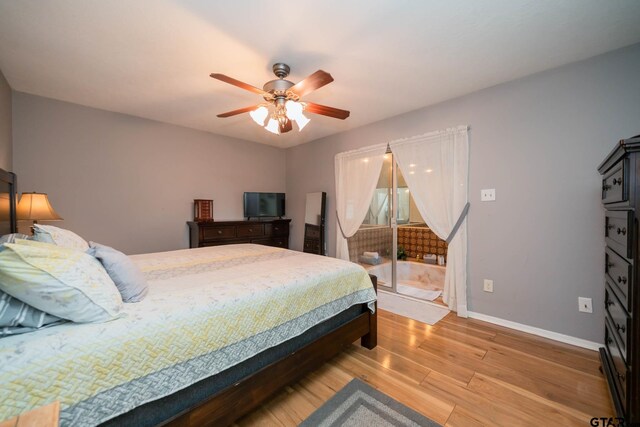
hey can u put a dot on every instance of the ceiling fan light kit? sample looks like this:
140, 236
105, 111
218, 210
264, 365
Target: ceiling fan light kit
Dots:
259, 115
283, 105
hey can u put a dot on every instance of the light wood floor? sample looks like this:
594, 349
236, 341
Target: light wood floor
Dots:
460, 372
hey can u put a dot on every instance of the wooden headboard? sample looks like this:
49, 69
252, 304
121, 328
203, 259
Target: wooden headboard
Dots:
8, 201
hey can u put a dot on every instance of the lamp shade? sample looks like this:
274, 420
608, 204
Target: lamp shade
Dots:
273, 126
35, 207
259, 115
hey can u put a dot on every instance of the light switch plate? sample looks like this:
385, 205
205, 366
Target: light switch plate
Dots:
585, 305
488, 195
488, 285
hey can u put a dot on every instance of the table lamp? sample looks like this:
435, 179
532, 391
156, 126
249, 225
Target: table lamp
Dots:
36, 207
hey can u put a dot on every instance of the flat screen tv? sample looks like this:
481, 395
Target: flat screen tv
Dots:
257, 205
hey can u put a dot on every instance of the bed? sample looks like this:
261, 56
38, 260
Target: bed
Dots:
220, 331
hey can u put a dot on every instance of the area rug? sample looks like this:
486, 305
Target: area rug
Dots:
421, 311
357, 405
425, 294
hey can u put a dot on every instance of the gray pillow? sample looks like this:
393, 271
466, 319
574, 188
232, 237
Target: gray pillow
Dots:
16, 317
128, 278
11, 238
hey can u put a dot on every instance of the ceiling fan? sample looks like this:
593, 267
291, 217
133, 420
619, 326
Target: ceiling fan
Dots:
283, 104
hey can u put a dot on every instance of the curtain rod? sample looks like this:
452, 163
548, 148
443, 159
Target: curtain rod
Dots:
387, 144
432, 133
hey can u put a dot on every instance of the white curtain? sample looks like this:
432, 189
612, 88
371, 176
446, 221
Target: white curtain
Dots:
357, 175
436, 167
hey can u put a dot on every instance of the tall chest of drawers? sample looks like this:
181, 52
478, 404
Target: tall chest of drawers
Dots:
620, 355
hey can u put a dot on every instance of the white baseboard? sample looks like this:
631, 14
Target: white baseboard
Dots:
579, 342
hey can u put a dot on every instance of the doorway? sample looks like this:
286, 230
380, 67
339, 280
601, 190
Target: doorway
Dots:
394, 242
435, 167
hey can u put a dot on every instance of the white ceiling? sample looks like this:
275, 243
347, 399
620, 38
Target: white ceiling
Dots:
152, 58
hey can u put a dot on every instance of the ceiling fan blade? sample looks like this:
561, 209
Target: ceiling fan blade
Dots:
336, 113
238, 111
238, 83
311, 83
286, 127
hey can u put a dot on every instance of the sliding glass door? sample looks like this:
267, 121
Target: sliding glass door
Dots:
394, 242
373, 245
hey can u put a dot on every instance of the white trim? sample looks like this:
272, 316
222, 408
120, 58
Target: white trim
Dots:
579, 342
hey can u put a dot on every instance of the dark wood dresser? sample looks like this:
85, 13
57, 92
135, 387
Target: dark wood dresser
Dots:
621, 352
270, 233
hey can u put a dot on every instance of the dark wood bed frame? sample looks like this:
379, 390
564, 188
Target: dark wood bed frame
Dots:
247, 394
9, 178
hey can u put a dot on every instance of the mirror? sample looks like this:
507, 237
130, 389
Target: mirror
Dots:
314, 218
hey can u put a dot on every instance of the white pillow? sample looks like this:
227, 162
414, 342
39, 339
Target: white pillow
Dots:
59, 236
63, 282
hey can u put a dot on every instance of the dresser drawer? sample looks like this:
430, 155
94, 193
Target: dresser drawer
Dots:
279, 242
614, 185
224, 242
276, 229
311, 231
250, 230
619, 320
218, 233
619, 272
618, 226
280, 228
620, 368
312, 246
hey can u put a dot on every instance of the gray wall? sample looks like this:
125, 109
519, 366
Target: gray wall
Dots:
129, 182
537, 141
6, 145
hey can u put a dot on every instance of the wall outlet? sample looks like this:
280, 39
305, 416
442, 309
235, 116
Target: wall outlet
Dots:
488, 285
488, 195
585, 305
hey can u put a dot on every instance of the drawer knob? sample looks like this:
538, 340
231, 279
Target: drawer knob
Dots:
610, 264
609, 303
606, 187
276, 228
617, 181
622, 231
610, 227
621, 377
620, 328
219, 231
251, 230
609, 341
622, 279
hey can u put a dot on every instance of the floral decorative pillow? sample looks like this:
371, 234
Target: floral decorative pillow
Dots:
59, 236
63, 282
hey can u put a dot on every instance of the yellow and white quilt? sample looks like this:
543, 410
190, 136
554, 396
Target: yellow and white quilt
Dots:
207, 310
